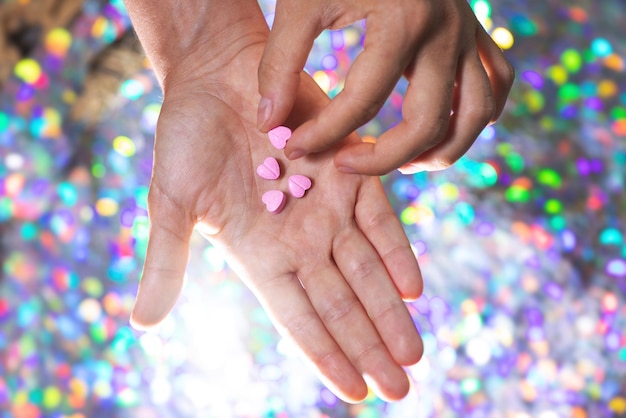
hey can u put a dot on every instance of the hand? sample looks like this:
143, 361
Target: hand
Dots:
450, 62
331, 269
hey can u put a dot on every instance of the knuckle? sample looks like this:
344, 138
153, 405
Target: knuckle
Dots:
278, 61
456, 27
338, 309
397, 251
430, 130
326, 360
270, 63
335, 15
391, 308
361, 356
156, 195
429, 14
480, 115
365, 108
362, 269
415, 17
161, 204
379, 222
300, 325
420, 11
175, 233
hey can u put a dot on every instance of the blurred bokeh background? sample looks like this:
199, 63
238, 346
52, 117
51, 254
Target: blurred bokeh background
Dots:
522, 243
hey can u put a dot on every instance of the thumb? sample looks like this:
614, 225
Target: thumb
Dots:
295, 27
166, 261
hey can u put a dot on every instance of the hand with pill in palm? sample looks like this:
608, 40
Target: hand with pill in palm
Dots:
458, 81
332, 268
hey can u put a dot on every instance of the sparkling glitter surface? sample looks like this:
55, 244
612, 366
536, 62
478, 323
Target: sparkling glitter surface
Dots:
522, 243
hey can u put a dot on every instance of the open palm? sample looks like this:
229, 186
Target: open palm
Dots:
331, 269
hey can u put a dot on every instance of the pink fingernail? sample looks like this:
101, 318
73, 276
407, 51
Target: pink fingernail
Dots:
296, 153
264, 113
411, 169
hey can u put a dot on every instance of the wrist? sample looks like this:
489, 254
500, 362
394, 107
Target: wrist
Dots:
195, 38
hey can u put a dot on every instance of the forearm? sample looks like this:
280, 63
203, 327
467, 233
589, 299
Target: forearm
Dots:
205, 33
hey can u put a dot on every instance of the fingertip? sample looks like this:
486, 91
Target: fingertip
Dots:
146, 319
411, 168
155, 299
412, 291
414, 355
394, 388
412, 286
295, 153
354, 395
137, 323
409, 281
407, 346
346, 383
359, 158
360, 397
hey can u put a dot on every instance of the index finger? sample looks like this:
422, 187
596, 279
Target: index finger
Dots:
369, 82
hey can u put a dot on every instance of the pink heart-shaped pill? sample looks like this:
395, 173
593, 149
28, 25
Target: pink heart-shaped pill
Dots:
269, 170
274, 200
298, 185
279, 136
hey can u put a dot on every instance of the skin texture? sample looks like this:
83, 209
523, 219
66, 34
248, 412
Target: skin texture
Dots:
332, 269
448, 59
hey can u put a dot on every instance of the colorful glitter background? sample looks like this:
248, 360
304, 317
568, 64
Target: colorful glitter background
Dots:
522, 243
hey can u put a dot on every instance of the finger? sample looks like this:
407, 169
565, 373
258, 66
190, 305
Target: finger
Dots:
425, 116
290, 41
363, 269
380, 225
166, 260
290, 310
474, 108
346, 320
369, 82
499, 70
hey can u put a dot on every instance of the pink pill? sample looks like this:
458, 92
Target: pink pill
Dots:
269, 170
298, 185
274, 200
279, 136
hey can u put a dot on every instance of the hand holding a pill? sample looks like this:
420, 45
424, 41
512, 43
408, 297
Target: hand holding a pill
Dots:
331, 268
458, 81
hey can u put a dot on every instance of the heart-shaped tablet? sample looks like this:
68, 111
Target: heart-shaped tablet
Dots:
298, 185
279, 136
274, 200
269, 170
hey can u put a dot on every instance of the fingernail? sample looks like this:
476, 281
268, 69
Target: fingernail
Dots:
296, 153
411, 169
346, 169
264, 113
136, 325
